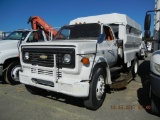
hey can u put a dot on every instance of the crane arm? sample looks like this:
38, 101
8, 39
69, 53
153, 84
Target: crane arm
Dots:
38, 23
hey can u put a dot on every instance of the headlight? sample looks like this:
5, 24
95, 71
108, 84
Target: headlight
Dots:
157, 67
26, 55
67, 58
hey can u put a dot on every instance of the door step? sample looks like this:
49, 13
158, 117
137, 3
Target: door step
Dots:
115, 69
122, 81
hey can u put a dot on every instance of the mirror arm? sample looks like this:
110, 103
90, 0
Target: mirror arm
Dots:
152, 11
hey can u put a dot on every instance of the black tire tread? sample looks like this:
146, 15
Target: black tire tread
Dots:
7, 76
91, 102
132, 68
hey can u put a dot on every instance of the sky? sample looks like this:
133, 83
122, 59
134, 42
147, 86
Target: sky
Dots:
14, 14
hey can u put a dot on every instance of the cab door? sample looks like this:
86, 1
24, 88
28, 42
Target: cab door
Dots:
110, 45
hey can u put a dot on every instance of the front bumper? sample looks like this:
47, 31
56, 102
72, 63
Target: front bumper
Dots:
1, 70
155, 84
69, 86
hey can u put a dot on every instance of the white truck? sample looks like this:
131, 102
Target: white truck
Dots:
9, 60
144, 51
155, 58
85, 56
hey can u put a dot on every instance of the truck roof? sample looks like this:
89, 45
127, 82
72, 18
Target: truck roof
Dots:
115, 18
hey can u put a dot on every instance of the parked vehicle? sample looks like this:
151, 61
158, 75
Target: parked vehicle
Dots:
143, 51
149, 46
155, 58
85, 56
9, 60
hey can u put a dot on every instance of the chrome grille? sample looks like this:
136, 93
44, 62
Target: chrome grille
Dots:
46, 72
45, 59
45, 56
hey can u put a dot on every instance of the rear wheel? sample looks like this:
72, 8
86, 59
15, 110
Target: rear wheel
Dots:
97, 91
11, 74
35, 90
134, 68
155, 104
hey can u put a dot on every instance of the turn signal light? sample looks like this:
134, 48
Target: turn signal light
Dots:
85, 61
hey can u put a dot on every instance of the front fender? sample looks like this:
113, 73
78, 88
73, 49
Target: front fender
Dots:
87, 71
7, 54
102, 62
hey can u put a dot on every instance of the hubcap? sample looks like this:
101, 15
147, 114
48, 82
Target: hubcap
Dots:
136, 67
100, 87
15, 73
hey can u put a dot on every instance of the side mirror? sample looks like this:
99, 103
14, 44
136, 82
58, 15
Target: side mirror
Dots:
101, 38
147, 24
147, 34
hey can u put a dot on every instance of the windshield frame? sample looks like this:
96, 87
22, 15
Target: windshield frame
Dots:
89, 31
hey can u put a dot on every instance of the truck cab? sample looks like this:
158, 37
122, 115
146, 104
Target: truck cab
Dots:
9, 50
82, 58
90, 33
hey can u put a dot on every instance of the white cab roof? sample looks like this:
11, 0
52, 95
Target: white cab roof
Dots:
108, 19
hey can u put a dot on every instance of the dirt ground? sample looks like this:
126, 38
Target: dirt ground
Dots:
132, 103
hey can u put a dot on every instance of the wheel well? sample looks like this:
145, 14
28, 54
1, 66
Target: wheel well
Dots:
8, 61
102, 65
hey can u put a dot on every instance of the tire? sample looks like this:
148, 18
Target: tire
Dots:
155, 104
34, 90
11, 74
134, 68
97, 90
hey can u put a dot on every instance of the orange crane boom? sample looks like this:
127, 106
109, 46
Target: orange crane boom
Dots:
38, 23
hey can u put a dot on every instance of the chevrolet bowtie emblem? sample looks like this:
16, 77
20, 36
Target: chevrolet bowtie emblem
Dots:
43, 56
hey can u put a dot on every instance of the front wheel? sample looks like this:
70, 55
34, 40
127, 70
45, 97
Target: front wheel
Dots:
11, 74
97, 91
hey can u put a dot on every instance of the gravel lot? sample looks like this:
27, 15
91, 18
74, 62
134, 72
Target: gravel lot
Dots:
132, 103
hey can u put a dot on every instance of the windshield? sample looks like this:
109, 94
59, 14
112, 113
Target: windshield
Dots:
79, 32
17, 35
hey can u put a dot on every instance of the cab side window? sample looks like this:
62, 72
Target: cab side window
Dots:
108, 33
35, 36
